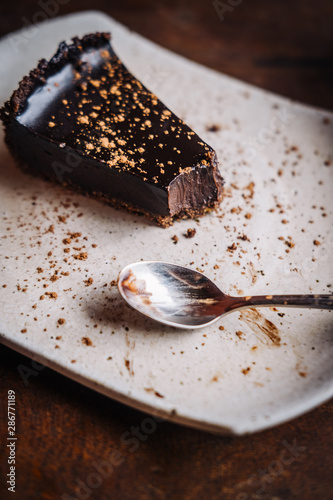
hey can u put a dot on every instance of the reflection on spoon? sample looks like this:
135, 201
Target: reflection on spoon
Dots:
180, 297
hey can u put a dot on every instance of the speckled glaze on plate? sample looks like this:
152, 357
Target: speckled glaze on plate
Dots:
61, 253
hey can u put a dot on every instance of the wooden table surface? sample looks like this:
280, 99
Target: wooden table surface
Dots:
68, 434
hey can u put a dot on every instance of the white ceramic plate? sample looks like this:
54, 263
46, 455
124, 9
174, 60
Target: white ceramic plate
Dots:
273, 234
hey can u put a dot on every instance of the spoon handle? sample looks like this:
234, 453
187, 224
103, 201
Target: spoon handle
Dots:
312, 301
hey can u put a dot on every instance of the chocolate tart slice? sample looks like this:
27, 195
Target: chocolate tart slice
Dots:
84, 120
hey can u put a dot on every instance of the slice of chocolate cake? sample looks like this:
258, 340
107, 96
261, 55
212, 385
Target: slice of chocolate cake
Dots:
84, 120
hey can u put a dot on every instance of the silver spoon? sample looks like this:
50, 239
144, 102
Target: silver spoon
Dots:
180, 297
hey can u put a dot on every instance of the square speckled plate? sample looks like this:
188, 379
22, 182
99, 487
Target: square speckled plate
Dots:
272, 234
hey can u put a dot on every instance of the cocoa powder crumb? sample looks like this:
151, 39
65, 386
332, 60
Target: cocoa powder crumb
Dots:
232, 248
213, 128
243, 237
86, 341
289, 243
74, 235
81, 256
190, 233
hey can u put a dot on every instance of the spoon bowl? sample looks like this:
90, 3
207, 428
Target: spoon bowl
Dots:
183, 298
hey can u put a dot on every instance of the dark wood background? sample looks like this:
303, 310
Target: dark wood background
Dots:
64, 429
285, 46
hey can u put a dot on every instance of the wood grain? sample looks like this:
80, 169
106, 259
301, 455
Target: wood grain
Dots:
69, 435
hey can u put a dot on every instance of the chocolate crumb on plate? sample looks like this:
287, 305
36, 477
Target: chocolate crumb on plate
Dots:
190, 233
